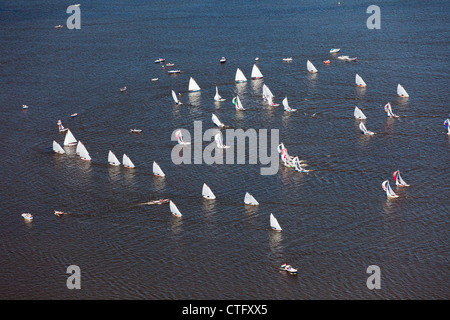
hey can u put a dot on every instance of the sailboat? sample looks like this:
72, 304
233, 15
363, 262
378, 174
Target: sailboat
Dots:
398, 179
127, 163
364, 130
286, 105
389, 192
274, 223
57, 148
271, 103
179, 137
217, 97
69, 139
401, 91
248, 199
359, 81
311, 67
238, 104
61, 127
207, 193
175, 98
297, 165
389, 112
157, 171
27, 216
219, 141
84, 154
112, 159
359, 114
447, 125
240, 77
193, 86
174, 209
216, 121
266, 92
256, 73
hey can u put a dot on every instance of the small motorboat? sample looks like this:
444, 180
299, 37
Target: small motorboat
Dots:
256, 59
169, 64
160, 201
135, 130
289, 59
288, 268
24, 106
335, 50
59, 26
326, 61
160, 60
343, 57
27, 216
123, 89
155, 79
174, 71
223, 60
351, 59
59, 213
73, 115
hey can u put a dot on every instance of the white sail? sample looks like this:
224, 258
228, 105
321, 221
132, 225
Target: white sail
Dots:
274, 223
256, 73
359, 114
70, 139
157, 171
57, 148
297, 165
179, 137
219, 141
217, 97
174, 209
311, 67
78, 148
364, 130
207, 193
175, 98
216, 121
266, 92
286, 105
127, 163
238, 103
389, 192
248, 199
389, 112
193, 86
399, 180
61, 127
84, 154
359, 81
401, 91
112, 159
240, 77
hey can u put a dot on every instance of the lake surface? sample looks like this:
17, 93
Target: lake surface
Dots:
336, 219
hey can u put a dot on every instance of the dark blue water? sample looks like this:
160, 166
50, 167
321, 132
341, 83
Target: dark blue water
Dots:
336, 219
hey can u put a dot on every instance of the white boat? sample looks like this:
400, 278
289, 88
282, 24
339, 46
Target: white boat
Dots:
135, 130
112, 159
240, 77
447, 125
310, 67
343, 57
174, 209
123, 89
155, 79
216, 121
401, 91
70, 140
359, 81
298, 166
24, 106
179, 137
207, 193
223, 60
389, 192
82, 151
389, 112
160, 60
61, 127
27, 216
59, 26
238, 104
359, 114
57, 148
335, 50
266, 93
219, 141
290, 269
289, 59
193, 86
169, 64
256, 59
217, 97
174, 71
157, 171
175, 98
256, 73
248, 199
274, 223
399, 180
127, 163
364, 130
286, 105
